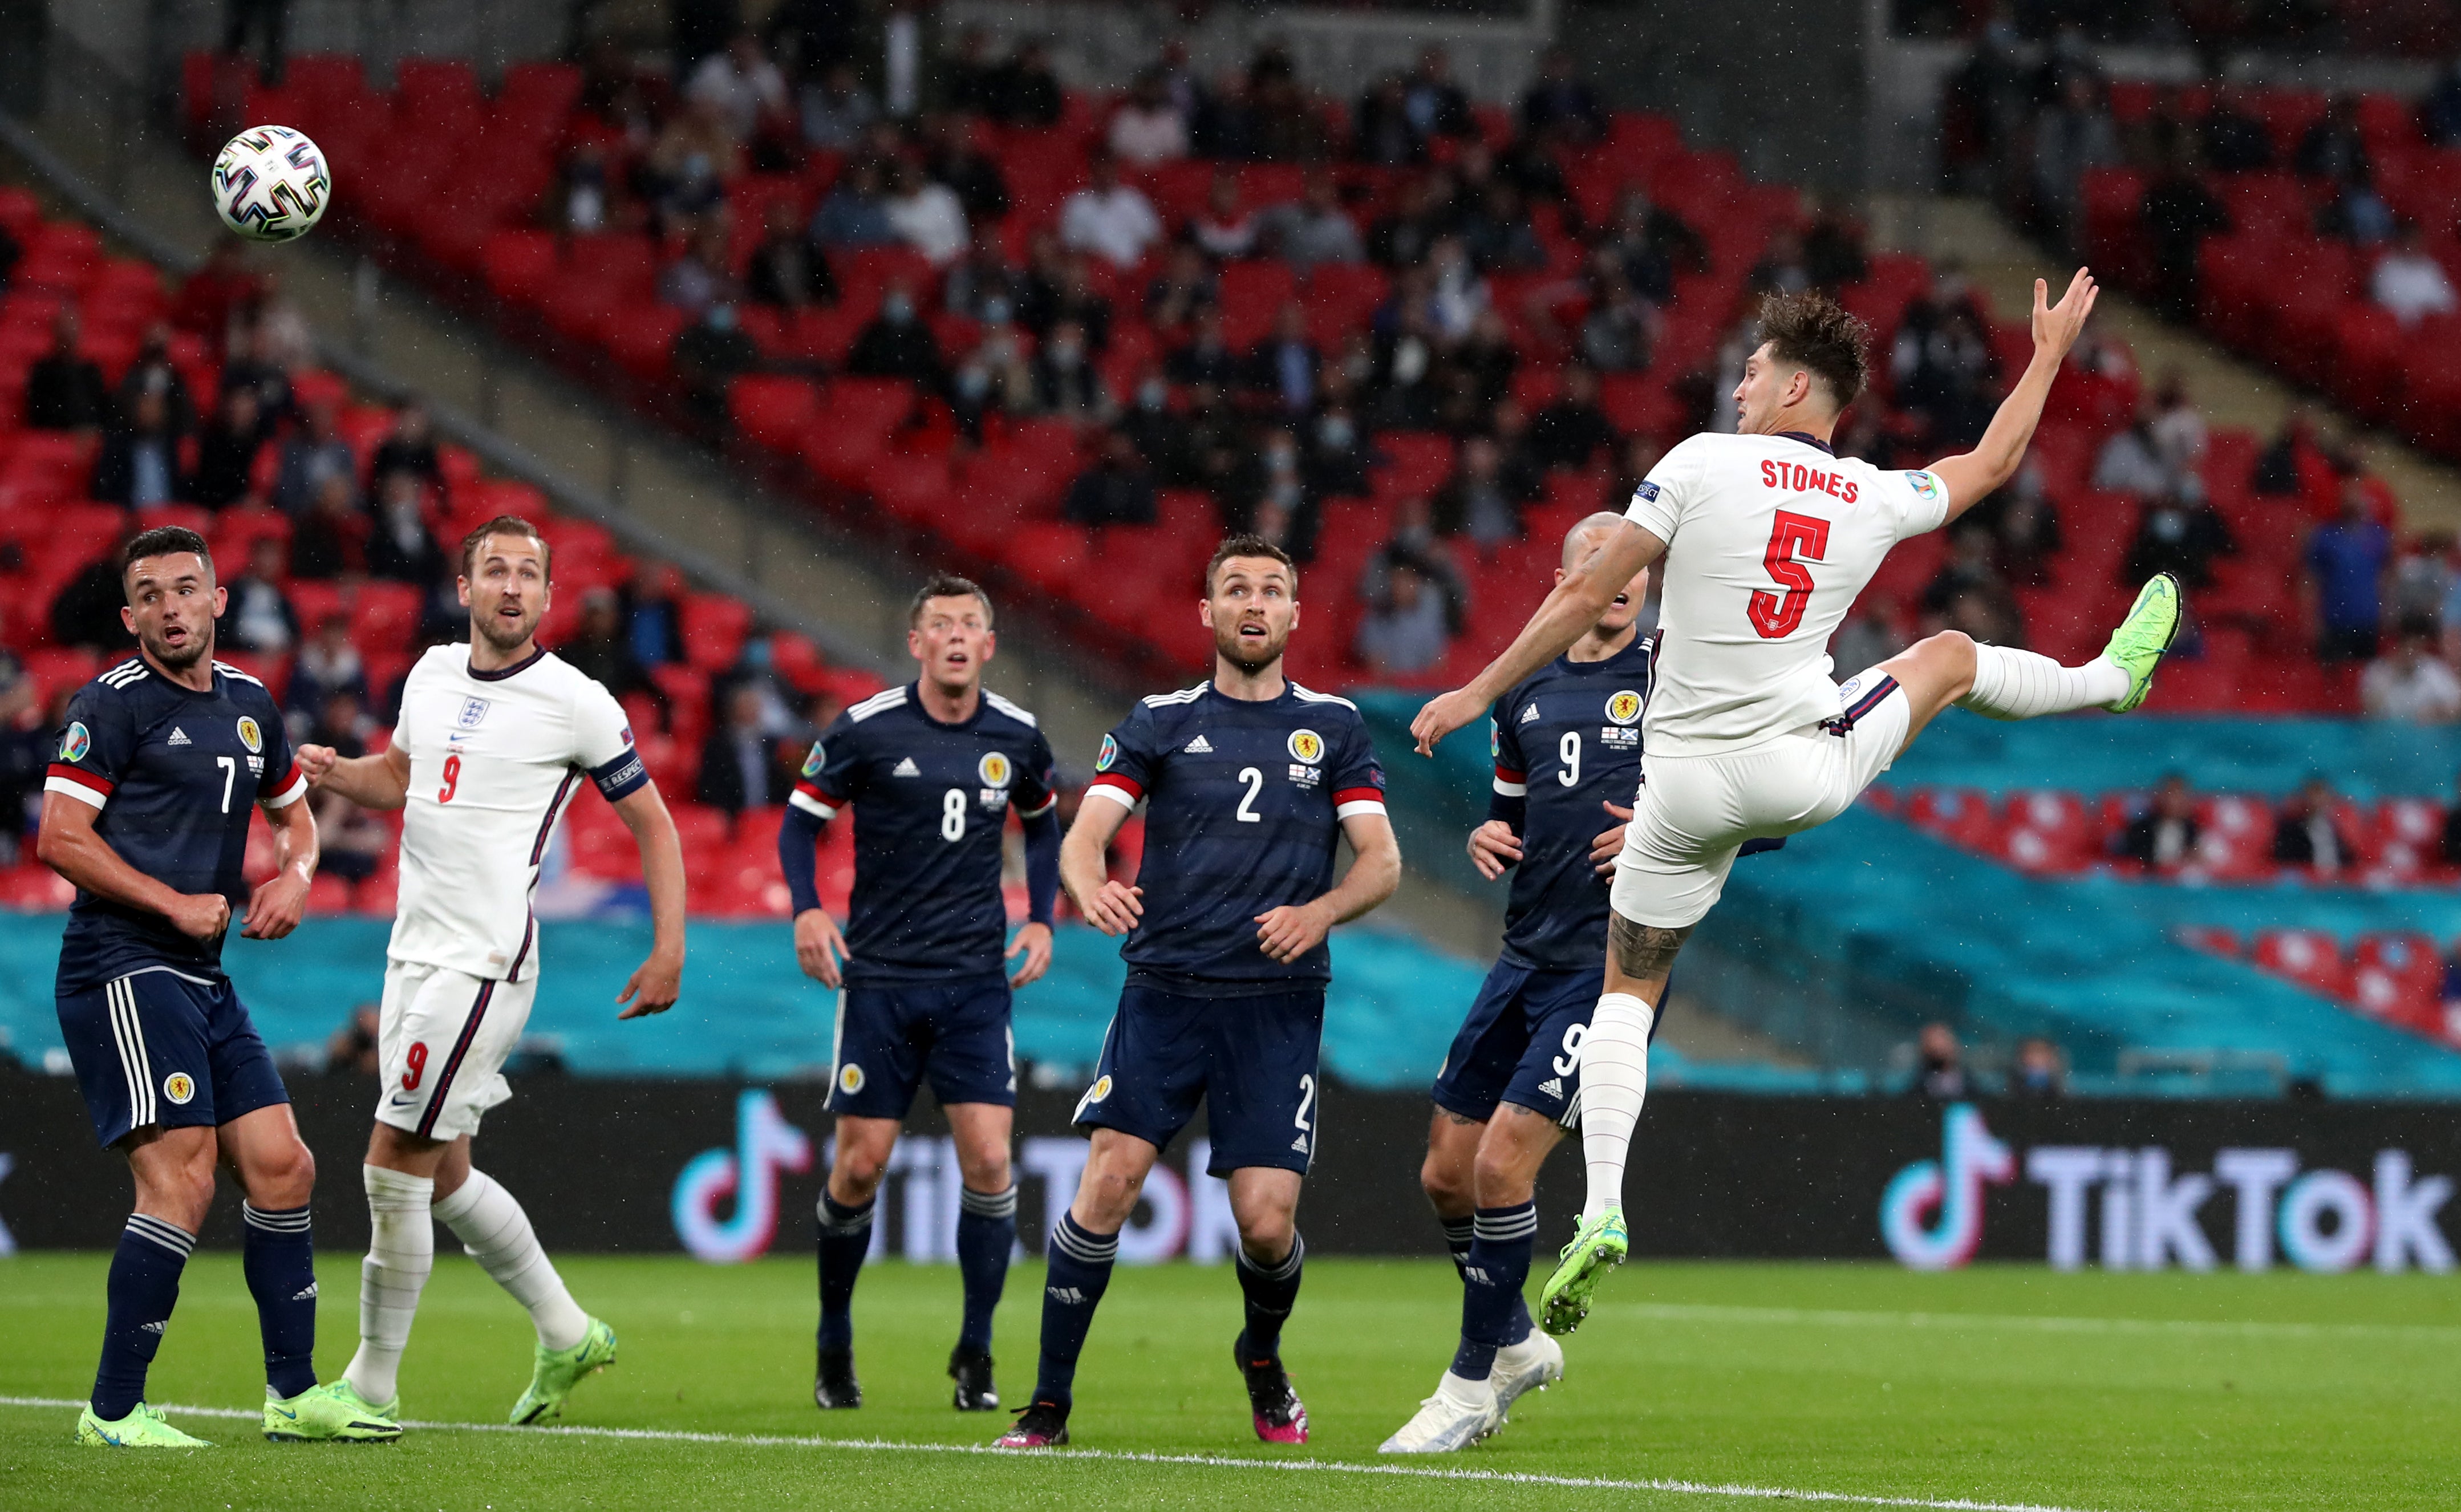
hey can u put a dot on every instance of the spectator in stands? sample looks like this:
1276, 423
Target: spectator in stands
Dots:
354, 1050
1939, 1066
1109, 219
153, 371
2357, 214
1456, 293
260, 617
1560, 103
2413, 685
1833, 253
2281, 468
1286, 126
2071, 135
1619, 334
1315, 230
684, 177
1207, 358
1571, 430
1946, 372
410, 447
313, 456
1335, 454
981, 285
245, 367
1404, 631
739, 764
708, 356
2131, 460
2343, 588
837, 109
968, 72
742, 88
138, 464
2305, 833
927, 214
2421, 580
328, 665
1067, 386
2164, 837
599, 651
2234, 135
1477, 501
854, 215
64, 389
997, 376
2332, 148
1225, 229
2451, 849
330, 540
220, 289
401, 549
1224, 126
2178, 213
1267, 495
588, 198
2179, 434
29, 741
226, 452
1282, 372
1148, 127
1869, 636
896, 344
2409, 282
2179, 532
698, 278
1381, 131
1436, 106
1060, 287
653, 615
1025, 91
1117, 490
85, 614
1404, 235
1185, 285
351, 841
1654, 245
2024, 527
2439, 113
2040, 1074
1969, 585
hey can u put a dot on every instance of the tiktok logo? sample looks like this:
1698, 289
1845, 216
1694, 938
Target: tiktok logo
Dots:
1948, 1191
764, 1144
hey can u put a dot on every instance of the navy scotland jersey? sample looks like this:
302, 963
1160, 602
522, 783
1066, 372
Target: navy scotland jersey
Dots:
1244, 808
173, 772
931, 801
1566, 741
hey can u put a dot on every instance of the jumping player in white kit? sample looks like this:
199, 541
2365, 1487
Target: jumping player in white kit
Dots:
1767, 538
493, 742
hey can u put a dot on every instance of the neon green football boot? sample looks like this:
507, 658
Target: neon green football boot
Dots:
1598, 1244
334, 1414
144, 1428
2152, 624
559, 1371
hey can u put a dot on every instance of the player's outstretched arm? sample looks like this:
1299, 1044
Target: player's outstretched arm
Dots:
379, 781
66, 842
659, 981
275, 907
1291, 930
1569, 610
1084, 867
1978, 474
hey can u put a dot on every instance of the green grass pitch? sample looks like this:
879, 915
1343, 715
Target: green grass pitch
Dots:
1873, 1386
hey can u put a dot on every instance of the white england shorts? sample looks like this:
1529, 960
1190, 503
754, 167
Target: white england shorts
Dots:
1694, 813
442, 1039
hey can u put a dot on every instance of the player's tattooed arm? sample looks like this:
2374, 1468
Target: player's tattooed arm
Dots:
1642, 951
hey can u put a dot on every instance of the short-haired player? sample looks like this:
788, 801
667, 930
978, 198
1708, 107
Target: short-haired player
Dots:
493, 742
1766, 538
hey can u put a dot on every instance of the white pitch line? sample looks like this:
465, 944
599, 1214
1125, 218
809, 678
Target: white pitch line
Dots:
1698, 1488
2037, 1322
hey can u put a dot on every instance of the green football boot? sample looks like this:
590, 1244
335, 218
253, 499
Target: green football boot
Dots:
334, 1414
1599, 1242
559, 1371
144, 1428
2152, 624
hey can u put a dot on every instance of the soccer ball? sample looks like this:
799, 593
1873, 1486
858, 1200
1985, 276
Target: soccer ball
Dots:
270, 183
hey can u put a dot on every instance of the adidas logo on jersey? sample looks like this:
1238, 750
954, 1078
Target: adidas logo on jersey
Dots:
178, 738
153, 1328
905, 768
1528, 712
309, 1295
1066, 1294
1200, 746
1299, 1144
1553, 1087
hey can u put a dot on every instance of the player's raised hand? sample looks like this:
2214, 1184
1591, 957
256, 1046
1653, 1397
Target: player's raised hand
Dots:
2056, 326
1609, 844
654, 985
1114, 907
1443, 715
1493, 847
1291, 930
818, 948
314, 762
1034, 941
201, 915
275, 907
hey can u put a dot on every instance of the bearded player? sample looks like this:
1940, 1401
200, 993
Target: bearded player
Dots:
493, 741
1251, 782
1767, 538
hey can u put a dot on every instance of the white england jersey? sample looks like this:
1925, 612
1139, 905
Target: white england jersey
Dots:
495, 758
1768, 540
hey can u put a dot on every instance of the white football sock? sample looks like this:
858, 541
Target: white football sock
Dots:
1615, 1078
497, 1235
401, 1251
2022, 684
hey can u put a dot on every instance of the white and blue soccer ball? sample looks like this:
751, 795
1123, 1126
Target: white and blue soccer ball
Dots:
271, 184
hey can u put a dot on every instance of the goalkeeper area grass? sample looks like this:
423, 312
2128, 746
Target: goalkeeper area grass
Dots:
1692, 1386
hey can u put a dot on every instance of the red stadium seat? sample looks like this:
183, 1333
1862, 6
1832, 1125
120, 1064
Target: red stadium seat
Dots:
714, 627
2308, 957
1961, 815
2046, 832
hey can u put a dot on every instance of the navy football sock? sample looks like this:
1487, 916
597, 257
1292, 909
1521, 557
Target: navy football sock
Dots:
279, 1257
1080, 1270
143, 1288
986, 1234
845, 1238
1493, 1314
1457, 1237
1271, 1292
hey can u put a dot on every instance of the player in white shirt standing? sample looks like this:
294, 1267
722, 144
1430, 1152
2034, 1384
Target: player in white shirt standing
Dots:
1767, 538
493, 742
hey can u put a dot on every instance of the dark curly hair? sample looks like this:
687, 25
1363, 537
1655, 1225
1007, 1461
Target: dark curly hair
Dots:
1815, 333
